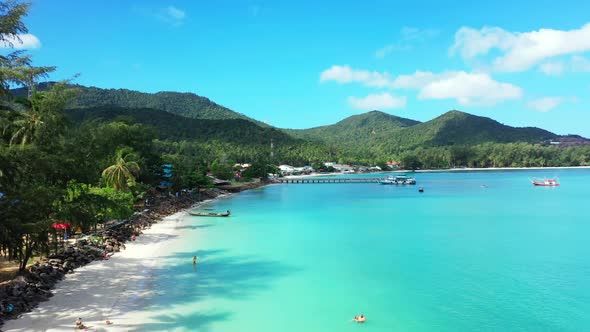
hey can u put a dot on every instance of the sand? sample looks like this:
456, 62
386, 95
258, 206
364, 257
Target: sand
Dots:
115, 289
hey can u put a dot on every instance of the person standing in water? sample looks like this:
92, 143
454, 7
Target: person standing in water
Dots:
194, 260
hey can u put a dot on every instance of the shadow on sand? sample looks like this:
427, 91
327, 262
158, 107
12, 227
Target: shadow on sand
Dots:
130, 285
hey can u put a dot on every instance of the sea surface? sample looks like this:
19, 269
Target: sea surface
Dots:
477, 251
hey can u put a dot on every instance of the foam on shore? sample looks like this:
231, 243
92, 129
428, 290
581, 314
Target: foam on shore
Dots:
104, 290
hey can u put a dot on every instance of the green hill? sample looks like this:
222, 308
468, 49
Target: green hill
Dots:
357, 134
459, 128
188, 105
175, 127
375, 133
357, 126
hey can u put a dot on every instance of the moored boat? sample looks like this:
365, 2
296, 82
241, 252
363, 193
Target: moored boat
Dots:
398, 179
545, 182
209, 214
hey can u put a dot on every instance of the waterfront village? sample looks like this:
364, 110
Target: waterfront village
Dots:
322, 168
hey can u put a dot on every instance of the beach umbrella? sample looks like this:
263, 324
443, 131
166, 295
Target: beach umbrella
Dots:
60, 226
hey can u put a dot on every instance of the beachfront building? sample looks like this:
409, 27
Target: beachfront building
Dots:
286, 169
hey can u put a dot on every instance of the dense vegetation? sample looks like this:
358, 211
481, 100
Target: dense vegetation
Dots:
174, 127
495, 155
188, 105
379, 136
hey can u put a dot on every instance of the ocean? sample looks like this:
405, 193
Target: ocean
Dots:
477, 251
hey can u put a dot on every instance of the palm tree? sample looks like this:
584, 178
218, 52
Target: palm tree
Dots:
121, 175
43, 119
27, 126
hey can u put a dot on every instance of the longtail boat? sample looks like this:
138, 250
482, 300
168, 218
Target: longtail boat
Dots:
209, 214
545, 182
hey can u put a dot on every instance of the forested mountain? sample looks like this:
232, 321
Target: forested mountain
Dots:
375, 134
185, 104
459, 128
176, 128
362, 126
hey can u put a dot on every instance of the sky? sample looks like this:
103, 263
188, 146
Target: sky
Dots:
299, 64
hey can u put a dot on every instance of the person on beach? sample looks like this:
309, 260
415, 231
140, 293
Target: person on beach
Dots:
79, 324
194, 260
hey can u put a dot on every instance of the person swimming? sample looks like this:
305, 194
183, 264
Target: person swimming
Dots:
360, 318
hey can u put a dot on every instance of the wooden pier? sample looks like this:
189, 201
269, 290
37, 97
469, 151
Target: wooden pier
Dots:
312, 180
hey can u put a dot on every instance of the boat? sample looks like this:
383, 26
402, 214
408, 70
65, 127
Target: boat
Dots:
209, 214
545, 182
398, 179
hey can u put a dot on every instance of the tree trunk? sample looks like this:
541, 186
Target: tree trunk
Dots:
27, 254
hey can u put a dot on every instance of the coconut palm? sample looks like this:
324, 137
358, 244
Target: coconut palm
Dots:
27, 126
121, 175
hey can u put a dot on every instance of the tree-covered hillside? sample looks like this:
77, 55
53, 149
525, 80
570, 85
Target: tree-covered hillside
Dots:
175, 127
459, 128
377, 135
359, 126
188, 105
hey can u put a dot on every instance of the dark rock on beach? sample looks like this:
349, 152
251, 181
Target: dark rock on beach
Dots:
34, 286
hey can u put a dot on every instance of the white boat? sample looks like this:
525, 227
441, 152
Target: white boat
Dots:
398, 179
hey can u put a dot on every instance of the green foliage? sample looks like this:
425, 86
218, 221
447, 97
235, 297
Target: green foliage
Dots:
187, 173
188, 105
86, 206
260, 169
222, 170
376, 136
174, 127
121, 175
321, 167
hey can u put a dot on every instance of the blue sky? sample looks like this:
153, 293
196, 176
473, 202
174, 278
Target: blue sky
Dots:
300, 64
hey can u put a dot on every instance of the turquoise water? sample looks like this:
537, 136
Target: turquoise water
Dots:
459, 257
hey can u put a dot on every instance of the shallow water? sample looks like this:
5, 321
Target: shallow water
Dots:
460, 257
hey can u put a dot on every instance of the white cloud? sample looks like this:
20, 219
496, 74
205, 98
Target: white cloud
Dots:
469, 89
170, 15
412, 33
580, 64
552, 68
345, 74
387, 49
417, 80
380, 101
545, 104
27, 41
175, 13
409, 35
520, 50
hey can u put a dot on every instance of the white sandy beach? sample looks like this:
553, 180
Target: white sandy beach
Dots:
113, 289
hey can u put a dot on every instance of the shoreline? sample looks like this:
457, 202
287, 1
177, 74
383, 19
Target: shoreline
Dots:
478, 169
464, 169
111, 289
103, 290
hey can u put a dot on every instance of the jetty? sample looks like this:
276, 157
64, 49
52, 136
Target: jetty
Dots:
313, 180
